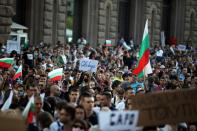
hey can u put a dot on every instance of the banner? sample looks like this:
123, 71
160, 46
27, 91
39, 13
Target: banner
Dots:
170, 107
118, 120
88, 65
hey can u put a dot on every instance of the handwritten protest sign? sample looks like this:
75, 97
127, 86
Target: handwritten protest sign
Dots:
88, 65
181, 47
170, 107
118, 120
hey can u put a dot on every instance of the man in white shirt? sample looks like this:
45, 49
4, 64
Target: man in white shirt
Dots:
159, 55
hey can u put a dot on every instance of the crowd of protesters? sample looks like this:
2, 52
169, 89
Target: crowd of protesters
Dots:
74, 102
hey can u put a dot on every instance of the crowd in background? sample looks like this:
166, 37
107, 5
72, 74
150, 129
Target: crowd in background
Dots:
75, 101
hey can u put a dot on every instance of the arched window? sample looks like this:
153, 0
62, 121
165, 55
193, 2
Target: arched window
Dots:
108, 21
152, 27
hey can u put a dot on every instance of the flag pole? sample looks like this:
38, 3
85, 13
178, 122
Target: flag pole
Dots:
145, 84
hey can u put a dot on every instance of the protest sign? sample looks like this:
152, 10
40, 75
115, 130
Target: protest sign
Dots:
170, 107
13, 45
88, 65
118, 120
181, 47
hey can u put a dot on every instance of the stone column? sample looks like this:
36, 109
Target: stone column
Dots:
54, 21
48, 21
190, 8
61, 21
6, 14
157, 7
113, 30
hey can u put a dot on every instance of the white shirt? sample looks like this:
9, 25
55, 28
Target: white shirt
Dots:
121, 105
55, 127
159, 53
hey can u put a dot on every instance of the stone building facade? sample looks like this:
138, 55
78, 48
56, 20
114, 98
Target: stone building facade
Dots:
98, 20
6, 14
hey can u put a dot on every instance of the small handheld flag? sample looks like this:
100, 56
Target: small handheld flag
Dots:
18, 73
6, 62
8, 102
56, 74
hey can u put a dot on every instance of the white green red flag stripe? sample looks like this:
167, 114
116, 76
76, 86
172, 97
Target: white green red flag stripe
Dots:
56, 74
143, 67
6, 62
8, 102
28, 112
18, 73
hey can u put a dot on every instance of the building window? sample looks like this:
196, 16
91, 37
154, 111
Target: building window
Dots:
108, 16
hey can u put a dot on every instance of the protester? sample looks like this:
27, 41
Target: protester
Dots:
76, 98
44, 119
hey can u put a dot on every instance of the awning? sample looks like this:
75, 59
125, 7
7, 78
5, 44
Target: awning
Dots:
18, 26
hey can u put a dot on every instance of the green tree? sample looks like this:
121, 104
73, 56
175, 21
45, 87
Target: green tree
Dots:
69, 22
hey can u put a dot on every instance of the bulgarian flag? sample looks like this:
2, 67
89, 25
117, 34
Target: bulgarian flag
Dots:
6, 62
28, 112
8, 102
18, 73
143, 67
56, 74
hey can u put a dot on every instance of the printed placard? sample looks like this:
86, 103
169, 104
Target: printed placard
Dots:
118, 120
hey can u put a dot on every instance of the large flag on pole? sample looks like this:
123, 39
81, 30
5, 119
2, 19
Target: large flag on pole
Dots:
56, 74
143, 67
18, 73
6, 62
8, 102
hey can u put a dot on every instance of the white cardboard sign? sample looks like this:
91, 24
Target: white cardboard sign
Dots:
88, 65
118, 120
13, 45
181, 47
